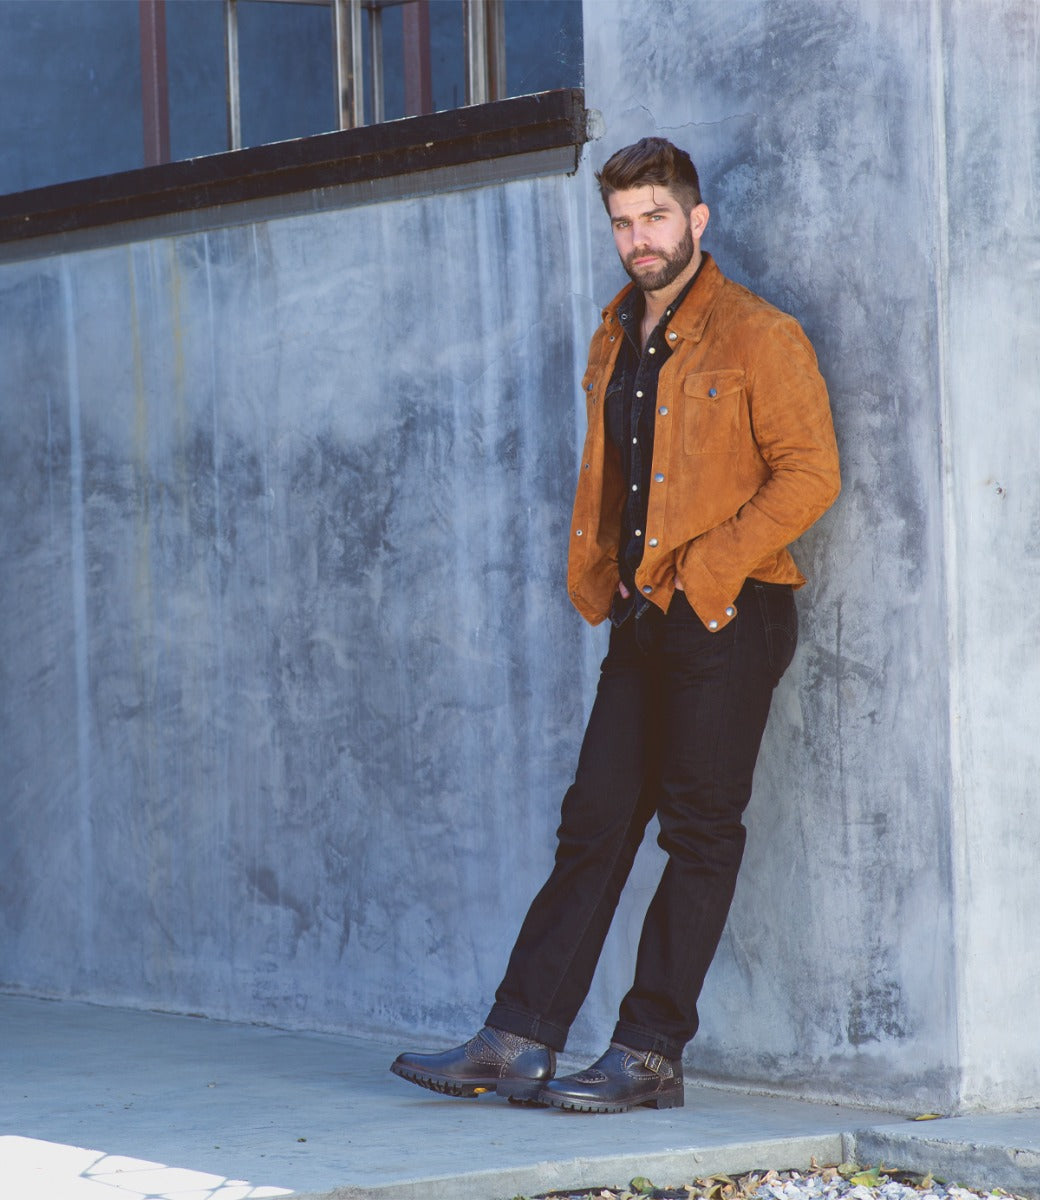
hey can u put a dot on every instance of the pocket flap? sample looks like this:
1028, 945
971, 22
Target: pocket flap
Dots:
713, 385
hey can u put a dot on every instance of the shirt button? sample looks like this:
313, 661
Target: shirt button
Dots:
589, 388
647, 589
653, 349
587, 466
639, 533
612, 336
712, 392
731, 611
671, 337
635, 441
635, 487
713, 625
577, 533
663, 410
653, 541
659, 478
640, 395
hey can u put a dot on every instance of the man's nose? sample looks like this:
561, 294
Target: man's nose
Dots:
639, 239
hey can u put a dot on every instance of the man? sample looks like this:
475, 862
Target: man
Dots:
709, 449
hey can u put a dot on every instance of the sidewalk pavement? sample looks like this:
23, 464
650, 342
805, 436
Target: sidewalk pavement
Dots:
113, 1104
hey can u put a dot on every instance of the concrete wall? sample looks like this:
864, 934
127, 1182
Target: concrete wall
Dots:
290, 686
872, 167
286, 637
991, 371
812, 126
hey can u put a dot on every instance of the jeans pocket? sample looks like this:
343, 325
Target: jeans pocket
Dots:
779, 624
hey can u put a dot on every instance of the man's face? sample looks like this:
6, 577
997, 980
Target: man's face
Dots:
656, 241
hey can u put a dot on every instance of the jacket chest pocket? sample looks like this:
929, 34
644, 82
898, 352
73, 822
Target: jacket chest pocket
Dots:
715, 416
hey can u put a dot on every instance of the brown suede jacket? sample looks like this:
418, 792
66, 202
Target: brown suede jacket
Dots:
744, 456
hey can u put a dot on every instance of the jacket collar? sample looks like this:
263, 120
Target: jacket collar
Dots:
692, 315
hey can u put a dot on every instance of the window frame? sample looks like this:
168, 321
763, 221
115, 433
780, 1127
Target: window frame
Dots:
463, 147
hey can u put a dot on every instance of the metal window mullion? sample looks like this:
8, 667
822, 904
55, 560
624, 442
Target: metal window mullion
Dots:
155, 82
474, 18
348, 60
375, 47
418, 76
234, 108
496, 48
485, 45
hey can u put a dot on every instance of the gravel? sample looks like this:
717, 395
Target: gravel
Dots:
849, 1181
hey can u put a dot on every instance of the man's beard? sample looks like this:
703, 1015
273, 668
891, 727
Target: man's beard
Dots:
652, 279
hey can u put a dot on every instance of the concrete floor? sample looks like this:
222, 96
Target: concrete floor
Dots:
112, 1104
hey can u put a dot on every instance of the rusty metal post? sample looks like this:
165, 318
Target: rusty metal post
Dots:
155, 83
418, 75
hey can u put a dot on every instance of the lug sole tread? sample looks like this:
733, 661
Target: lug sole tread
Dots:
516, 1092
602, 1106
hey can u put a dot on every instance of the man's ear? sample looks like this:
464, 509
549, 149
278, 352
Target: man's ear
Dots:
699, 215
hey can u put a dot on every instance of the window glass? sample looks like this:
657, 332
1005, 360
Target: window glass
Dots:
284, 71
544, 48
70, 75
195, 63
70, 91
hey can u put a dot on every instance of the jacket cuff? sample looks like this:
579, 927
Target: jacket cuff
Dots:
713, 602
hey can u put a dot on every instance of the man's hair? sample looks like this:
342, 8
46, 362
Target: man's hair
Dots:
651, 160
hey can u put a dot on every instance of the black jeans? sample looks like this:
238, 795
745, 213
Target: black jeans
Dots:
675, 730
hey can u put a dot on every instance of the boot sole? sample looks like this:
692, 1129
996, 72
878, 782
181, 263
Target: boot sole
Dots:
519, 1091
667, 1100
522, 1091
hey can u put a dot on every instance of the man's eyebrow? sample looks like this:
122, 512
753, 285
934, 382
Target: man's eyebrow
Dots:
660, 208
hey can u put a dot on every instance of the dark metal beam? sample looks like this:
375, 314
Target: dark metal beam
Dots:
524, 125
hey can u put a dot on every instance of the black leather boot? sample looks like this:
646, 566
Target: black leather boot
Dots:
492, 1061
620, 1080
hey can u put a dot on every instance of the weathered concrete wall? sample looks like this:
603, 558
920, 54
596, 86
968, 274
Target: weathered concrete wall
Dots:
289, 674
290, 686
812, 127
873, 169
991, 219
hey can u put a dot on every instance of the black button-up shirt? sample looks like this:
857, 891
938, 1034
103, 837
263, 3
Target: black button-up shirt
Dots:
631, 403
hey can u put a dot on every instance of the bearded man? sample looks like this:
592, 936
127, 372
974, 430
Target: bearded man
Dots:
710, 448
